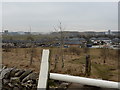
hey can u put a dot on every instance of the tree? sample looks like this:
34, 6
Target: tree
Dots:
55, 66
60, 29
30, 38
88, 66
104, 53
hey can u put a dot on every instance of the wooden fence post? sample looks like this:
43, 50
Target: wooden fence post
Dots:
55, 66
88, 66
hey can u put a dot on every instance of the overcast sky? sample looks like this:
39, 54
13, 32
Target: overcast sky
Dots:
79, 16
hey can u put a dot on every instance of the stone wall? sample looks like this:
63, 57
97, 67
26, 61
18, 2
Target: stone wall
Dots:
18, 79
24, 79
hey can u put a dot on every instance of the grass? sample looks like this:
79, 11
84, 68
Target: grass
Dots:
102, 71
74, 64
80, 60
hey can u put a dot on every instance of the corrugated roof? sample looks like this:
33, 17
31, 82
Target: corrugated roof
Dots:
73, 42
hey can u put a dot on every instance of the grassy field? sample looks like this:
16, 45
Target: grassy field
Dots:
74, 61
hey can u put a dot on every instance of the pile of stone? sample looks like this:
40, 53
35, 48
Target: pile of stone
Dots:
24, 79
18, 79
55, 85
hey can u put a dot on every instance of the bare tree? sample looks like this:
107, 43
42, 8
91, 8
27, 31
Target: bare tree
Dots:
104, 54
25, 50
30, 38
16, 51
60, 29
55, 66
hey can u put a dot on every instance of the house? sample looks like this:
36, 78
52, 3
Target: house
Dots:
100, 41
73, 42
105, 40
93, 39
115, 40
82, 40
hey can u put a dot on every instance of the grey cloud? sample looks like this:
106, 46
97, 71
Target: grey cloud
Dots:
42, 16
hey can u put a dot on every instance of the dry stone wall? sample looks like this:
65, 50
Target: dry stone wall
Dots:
18, 79
24, 79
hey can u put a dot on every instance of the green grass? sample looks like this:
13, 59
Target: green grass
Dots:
102, 71
24, 37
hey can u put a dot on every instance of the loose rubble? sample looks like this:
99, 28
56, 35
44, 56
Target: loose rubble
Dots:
18, 79
21, 79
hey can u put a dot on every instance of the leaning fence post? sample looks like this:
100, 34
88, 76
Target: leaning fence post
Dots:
44, 69
88, 66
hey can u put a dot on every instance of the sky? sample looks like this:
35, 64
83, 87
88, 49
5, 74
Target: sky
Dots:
74, 16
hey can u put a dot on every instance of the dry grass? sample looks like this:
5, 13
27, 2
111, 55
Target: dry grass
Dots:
74, 62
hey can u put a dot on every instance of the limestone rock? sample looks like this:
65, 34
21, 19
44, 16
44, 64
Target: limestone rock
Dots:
12, 74
26, 73
32, 76
15, 79
5, 73
19, 73
5, 81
